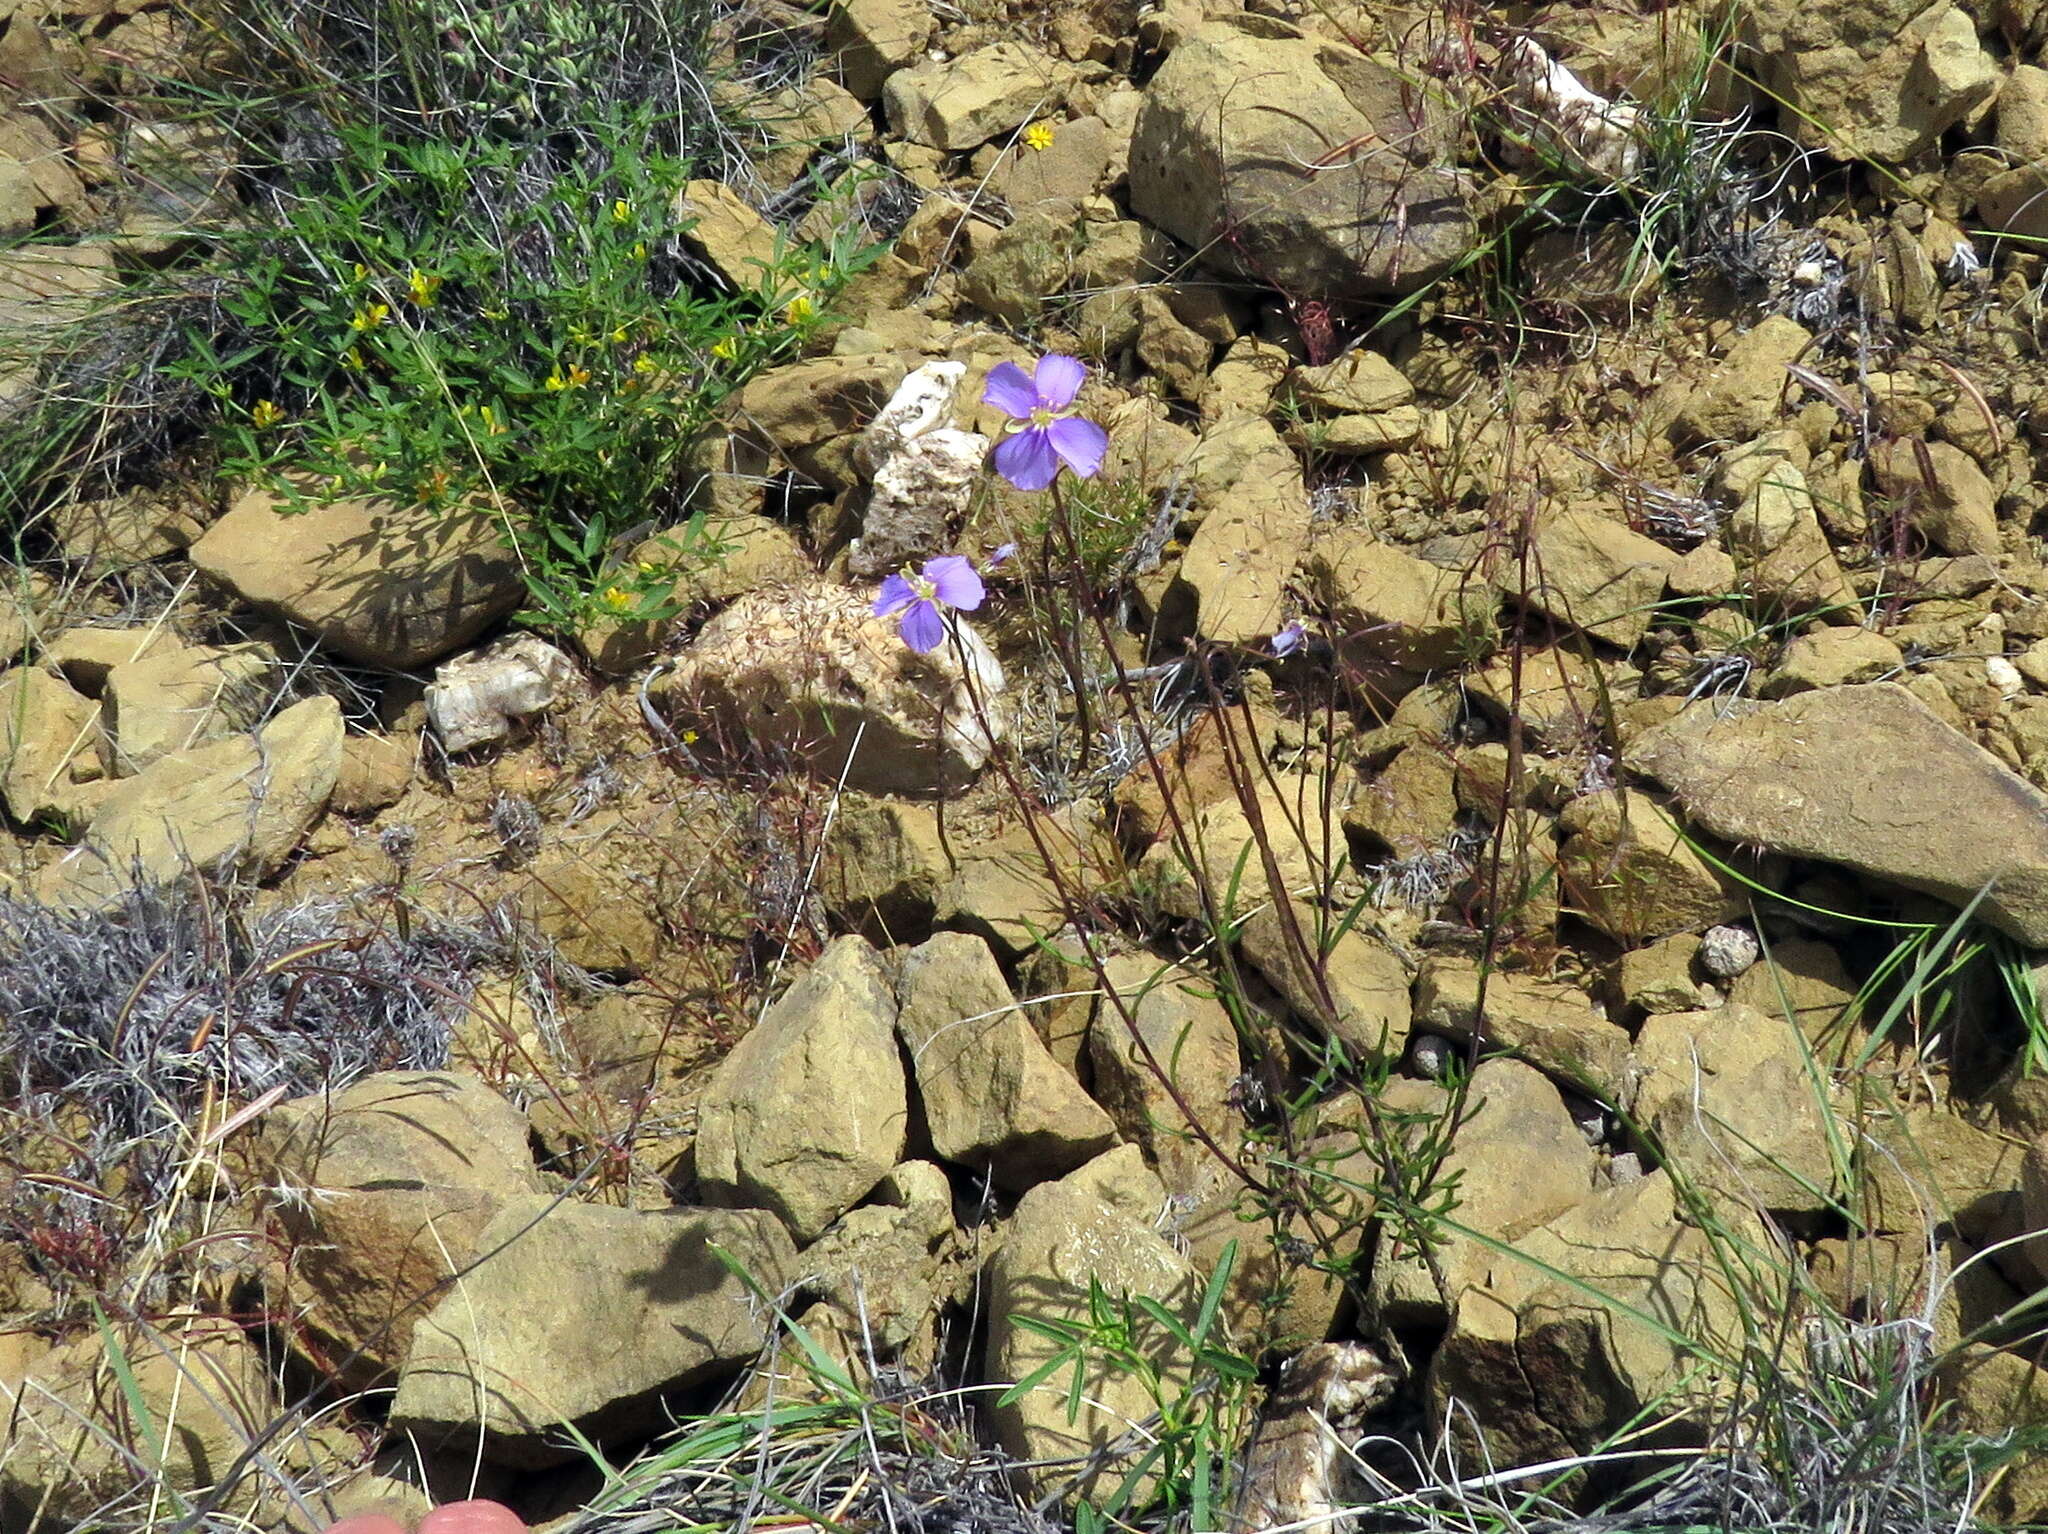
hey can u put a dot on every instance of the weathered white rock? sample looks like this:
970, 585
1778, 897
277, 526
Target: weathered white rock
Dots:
475, 698
810, 671
921, 471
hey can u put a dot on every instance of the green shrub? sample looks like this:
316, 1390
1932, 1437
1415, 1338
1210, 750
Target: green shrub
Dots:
450, 273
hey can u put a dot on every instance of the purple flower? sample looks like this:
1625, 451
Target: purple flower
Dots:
1289, 639
948, 581
1044, 433
1002, 556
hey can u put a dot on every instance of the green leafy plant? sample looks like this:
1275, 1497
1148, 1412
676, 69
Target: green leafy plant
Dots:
1197, 1383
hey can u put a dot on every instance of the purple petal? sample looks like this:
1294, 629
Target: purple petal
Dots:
1009, 390
1081, 443
1288, 640
1001, 556
953, 578
922, 628
1026, 459
1059, 379
896, 595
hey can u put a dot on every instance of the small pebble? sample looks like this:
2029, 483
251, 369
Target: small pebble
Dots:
1430, 1055
2004, 675
1726, 952
1625, 1168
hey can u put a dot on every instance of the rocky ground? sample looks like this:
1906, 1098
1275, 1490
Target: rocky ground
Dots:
1586, 968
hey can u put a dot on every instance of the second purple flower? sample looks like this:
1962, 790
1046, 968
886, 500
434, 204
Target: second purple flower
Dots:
948, 581
1044, 432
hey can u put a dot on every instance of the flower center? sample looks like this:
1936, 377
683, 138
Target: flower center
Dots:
1043, 417
927, 591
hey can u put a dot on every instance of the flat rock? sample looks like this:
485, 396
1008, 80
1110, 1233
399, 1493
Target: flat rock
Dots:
655, 1311
1731, 1098
183, 696
72, 1439
1063, 1236
959, 103
719, 227
1397, 608
1549, 1024
810, 1110
1867, 777
1347, 983
1598, 575
1169, 1050
409, 1167
47, 733
1211, 152
1628, 869
377, 582
239, 806
995, 1099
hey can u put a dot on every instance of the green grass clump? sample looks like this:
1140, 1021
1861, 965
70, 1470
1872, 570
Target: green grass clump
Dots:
447, 269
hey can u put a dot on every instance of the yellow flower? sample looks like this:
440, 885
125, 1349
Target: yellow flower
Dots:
1038, 136
689, 737
492, 425
639, 250
362, 271
370, 317
422, 289
352, 359
575, 378
621, 211
728, 350
618, 336
643, 364
265, 415
617, 600
800, 309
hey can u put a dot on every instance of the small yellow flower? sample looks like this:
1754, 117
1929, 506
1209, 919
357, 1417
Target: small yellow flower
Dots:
575, 378
643, 364
617, 599
648, 567
800, 309
352, 359
639, 250
362, 271
492, 425
265, 415
728, 350
422, 289
689, 737
431, 486
618, 335
1038, 136
621, 211
370, 316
